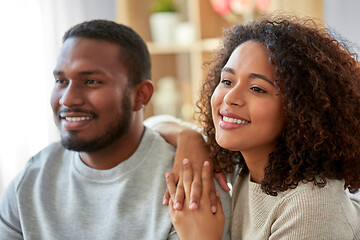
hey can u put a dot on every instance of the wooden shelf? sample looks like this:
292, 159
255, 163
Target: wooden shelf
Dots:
205, 45
184, 62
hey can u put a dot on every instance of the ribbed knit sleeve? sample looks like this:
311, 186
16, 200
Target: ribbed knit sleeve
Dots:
306, 212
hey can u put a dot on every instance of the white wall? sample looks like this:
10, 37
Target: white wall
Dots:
343, 16
31, 34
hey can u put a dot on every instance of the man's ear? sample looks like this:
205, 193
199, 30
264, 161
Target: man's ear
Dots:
143, 92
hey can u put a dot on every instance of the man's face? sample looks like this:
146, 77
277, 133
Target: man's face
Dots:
91, 99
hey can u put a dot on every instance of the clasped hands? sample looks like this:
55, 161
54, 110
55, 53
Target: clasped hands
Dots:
195, 220
195, 210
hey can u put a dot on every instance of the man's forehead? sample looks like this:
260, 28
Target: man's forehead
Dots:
90, 44
92, 49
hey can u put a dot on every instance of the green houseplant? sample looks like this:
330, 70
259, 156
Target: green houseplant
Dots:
163, 6
163, 19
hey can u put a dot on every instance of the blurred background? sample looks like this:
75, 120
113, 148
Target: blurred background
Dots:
181, 35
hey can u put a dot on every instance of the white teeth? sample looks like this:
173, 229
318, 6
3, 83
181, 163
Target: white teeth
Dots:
234, 120
76, 119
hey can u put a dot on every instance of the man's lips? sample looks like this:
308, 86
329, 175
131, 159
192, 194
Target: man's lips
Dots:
75, 119
76, 115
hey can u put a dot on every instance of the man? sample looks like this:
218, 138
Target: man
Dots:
106, 178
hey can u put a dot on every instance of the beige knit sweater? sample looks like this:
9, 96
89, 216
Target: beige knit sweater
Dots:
306, 212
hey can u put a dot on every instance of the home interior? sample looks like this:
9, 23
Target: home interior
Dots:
177, 61
177, 64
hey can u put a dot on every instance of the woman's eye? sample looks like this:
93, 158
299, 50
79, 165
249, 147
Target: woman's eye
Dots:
257, 89
226, 82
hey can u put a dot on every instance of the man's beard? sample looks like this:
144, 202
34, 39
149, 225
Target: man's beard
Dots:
116, 130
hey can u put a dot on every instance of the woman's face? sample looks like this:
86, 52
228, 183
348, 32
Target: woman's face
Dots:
246, 109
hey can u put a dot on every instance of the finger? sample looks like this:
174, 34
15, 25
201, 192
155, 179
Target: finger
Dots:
171, 209
206, 178
209, 186
221, 179
171, 185
196, 186
177, 168
179, 195
187, 176
213, 198
196, 190
166, 197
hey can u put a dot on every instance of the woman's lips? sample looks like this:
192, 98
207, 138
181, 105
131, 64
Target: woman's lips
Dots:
231, 121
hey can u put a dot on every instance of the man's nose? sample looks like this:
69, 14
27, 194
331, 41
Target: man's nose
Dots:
72, 96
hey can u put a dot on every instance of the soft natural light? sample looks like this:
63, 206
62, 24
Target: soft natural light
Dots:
25, 87
31, 37
31, 32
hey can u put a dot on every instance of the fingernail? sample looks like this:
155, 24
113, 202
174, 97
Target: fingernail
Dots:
217, 193
213, 209
177, 206
193, 206
206, 163
185, 161
165, 201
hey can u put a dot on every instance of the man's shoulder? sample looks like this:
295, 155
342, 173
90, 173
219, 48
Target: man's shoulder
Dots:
154, 151
46, 157
54, 150
155, 142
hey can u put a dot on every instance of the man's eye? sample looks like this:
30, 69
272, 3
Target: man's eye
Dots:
226, 82
91, 81
60, 81
257, 89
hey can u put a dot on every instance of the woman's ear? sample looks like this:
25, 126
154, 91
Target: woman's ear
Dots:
143, 92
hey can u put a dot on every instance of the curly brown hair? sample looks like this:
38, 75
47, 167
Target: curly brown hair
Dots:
319, 81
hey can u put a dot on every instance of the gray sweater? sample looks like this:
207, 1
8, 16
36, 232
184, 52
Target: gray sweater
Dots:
58, 197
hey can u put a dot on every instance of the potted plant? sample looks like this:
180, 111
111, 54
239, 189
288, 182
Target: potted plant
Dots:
163, 19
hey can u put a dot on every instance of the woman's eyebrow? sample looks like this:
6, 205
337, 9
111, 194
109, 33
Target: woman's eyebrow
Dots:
228, 69
251, 75
260, 76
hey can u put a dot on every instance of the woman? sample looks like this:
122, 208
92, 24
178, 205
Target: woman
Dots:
280, 106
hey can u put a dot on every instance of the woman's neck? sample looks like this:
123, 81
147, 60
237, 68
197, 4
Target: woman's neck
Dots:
256, 162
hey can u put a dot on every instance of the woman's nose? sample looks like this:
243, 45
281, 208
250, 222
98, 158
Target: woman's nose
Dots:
235, 96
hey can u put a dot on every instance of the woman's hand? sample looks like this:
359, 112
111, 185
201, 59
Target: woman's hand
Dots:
201, 223
191, 145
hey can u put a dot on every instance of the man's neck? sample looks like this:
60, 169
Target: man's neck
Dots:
115, 153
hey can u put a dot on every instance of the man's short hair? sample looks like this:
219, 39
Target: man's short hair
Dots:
133, 53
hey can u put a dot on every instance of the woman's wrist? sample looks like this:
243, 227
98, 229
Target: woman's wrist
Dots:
186, 134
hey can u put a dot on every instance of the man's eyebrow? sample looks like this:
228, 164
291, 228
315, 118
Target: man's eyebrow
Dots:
260, 76
228, 69
57, 73
87, 72
92, 72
